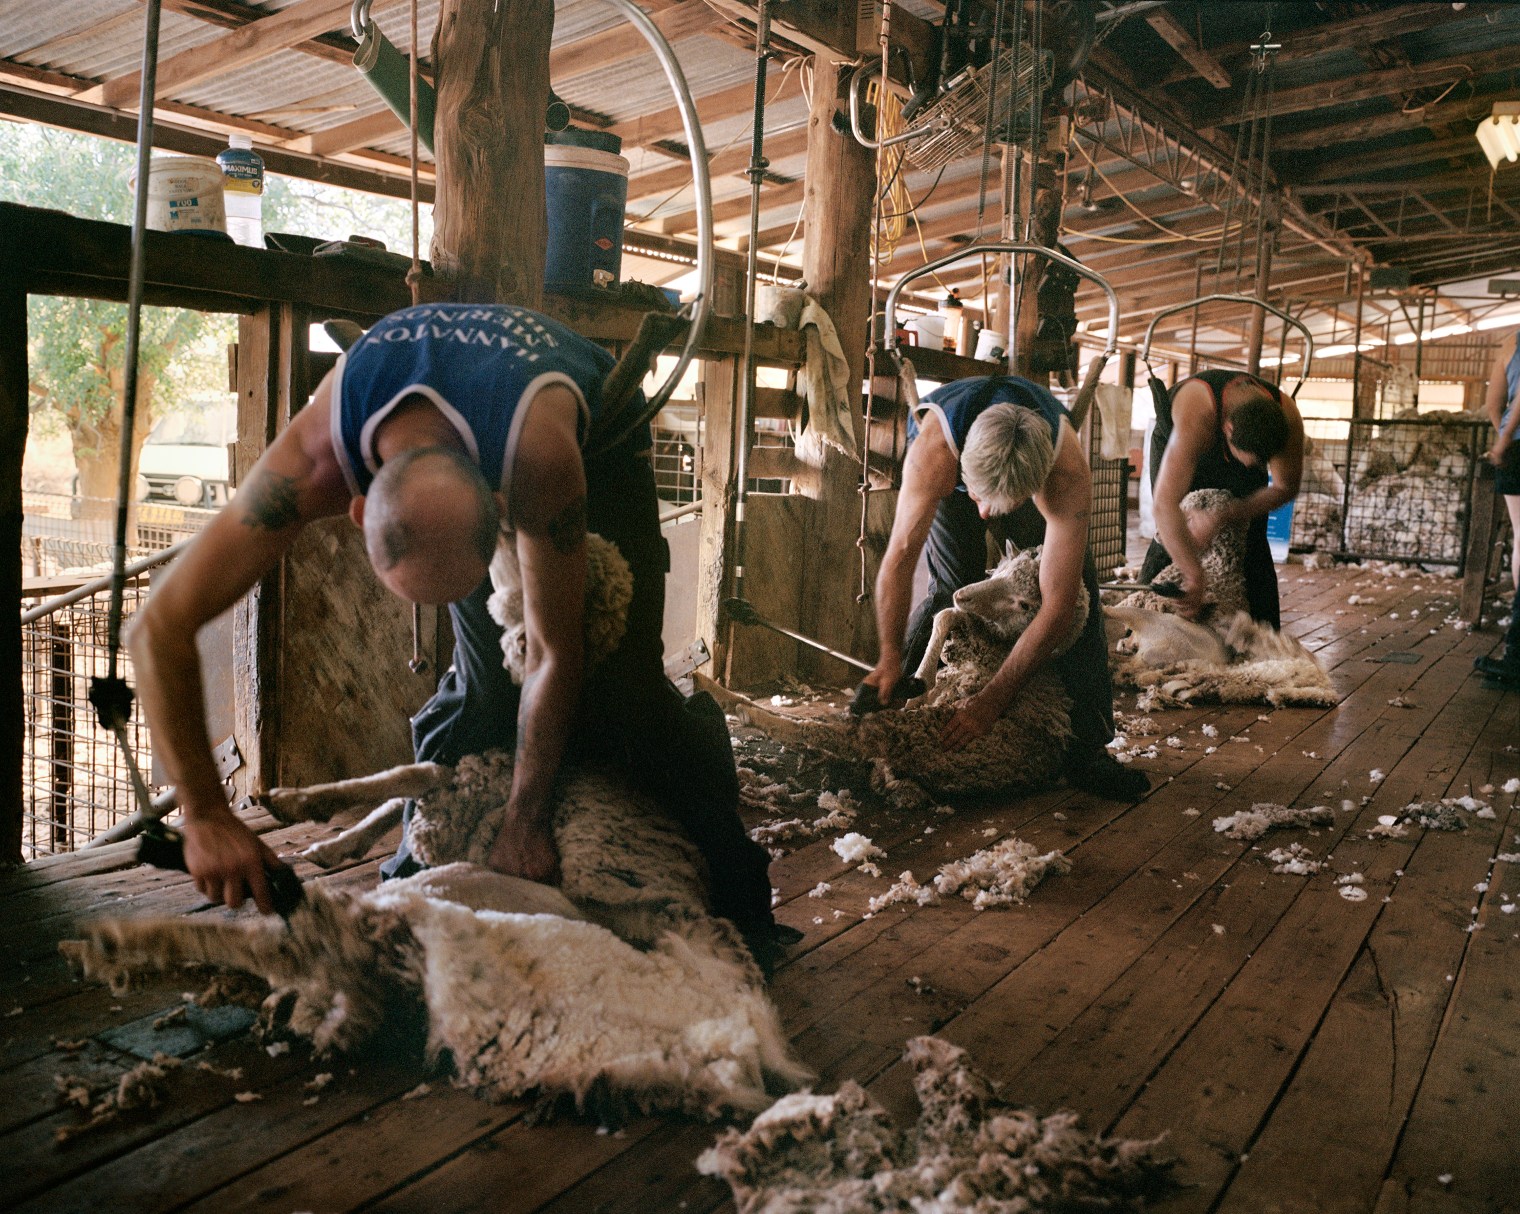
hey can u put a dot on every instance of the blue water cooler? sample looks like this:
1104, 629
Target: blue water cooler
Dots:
586, 188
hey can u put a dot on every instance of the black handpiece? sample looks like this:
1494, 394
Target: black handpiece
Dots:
867, 700
164, 847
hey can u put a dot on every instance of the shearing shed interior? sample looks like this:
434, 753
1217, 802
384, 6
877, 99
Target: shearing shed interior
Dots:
461, 743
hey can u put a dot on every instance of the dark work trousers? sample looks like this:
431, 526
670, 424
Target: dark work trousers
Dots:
1260, 572
630, 716
957, 552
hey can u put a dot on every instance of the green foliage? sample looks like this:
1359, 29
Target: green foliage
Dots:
76, 346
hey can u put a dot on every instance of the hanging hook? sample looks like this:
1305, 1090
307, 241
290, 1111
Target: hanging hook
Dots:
358, 18
417, 664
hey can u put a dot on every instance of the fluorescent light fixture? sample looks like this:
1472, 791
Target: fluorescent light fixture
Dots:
1336, 351
1498, 322
1499, 133
1274, 361
1404, 339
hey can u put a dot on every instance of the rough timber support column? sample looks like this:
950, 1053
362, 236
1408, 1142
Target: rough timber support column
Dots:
1049, 173
836, 262
490, 225
14, 400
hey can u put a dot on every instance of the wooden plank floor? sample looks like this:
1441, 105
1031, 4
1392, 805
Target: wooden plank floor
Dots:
1303, 1052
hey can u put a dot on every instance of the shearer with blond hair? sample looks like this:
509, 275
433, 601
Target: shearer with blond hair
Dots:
997, 455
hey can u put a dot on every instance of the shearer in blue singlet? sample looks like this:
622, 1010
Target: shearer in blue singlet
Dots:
998, 454
445, 427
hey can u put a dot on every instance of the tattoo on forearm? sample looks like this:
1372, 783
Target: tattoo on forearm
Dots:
567, 529
269, 501
525, 712
1081, 515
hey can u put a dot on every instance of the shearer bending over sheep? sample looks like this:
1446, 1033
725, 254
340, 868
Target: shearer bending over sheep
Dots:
998, 453
442, 428
1223, 430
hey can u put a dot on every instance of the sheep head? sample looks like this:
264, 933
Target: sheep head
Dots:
1008, 599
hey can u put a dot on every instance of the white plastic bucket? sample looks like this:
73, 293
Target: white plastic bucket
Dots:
930, 330
184, 194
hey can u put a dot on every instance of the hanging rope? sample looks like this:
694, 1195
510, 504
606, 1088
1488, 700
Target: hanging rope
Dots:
110, 695
884, 41
417, 664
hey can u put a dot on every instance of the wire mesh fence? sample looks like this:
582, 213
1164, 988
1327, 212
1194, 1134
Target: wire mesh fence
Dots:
74, 779
1389, 488
1108, 524
75, 782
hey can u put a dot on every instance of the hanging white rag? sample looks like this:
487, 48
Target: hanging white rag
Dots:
823, 382
1114, 405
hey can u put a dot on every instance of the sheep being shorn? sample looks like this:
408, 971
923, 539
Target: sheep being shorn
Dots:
969, 1150
1025, 747
619, 989
1228, 659
1223, 563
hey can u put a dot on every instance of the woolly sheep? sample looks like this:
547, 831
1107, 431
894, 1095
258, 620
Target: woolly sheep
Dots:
1024, 747
609, 590
1223, 562
619, 989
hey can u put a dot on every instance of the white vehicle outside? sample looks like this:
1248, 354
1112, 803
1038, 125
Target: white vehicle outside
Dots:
185, 460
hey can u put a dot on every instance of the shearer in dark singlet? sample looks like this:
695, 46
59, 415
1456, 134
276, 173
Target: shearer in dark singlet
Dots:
1232, 431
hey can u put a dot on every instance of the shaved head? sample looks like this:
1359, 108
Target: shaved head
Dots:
430, 525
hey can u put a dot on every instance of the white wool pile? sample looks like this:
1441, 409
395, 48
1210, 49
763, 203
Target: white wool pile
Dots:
1512, 785
995, 876
840, 809
1410, 487
968, 1151
619, 985
768, 795
1250, 824
999, 875
1295, 860
609, 591
522, 1002
1445, 814
856, 848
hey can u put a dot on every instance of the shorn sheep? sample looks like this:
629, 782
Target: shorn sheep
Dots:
968, 1151
1025, 747
1231, 658
617, 990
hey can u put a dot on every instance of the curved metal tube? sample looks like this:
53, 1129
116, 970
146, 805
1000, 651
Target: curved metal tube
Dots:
701, 306
1037, 250
358, 18
859, 80
1145, 346
1089, 386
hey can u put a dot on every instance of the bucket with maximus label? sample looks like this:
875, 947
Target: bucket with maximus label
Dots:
586, 187
185, 194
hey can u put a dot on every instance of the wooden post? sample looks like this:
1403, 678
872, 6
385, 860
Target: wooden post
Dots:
836, 263
1356, 346
717, 393
1048, 172
263, 369
13, 429
490, 224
